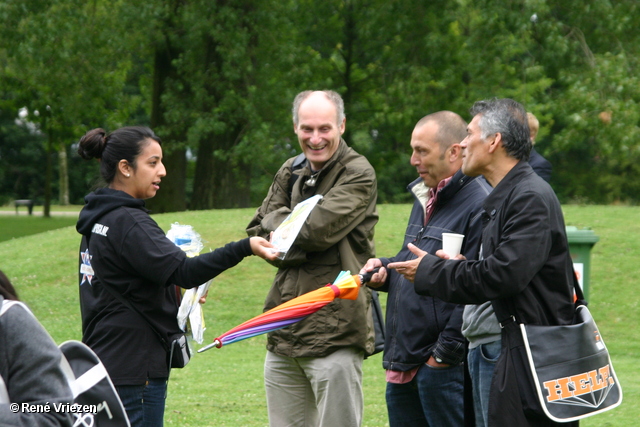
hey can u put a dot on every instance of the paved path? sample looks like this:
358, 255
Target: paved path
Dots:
25, 212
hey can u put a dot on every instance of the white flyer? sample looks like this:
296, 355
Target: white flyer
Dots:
284, 236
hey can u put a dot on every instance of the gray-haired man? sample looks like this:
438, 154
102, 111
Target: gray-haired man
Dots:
313, 368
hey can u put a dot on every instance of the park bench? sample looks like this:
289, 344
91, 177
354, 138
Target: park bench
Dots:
24, 202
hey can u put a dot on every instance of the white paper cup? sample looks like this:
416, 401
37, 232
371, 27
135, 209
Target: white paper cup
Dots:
451, 243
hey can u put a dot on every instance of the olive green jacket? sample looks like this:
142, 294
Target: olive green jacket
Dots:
337, 235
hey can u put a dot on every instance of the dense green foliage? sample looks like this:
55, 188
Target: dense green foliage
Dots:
21, 160
216, 79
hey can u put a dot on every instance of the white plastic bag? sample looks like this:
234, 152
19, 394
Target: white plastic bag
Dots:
190, 308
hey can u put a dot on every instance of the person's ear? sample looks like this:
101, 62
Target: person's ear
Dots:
495, 143
454, 154
343, 125
124, 168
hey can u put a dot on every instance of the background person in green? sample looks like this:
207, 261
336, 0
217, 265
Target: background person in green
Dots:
313, 368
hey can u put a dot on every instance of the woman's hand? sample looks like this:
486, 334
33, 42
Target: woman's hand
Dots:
263, 248
203, 298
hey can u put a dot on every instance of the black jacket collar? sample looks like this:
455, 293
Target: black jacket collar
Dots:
521, 170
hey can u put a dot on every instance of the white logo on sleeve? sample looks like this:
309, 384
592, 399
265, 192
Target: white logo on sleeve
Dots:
100, 229
85, 267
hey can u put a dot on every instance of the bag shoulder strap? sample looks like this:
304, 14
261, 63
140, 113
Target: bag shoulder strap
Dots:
85, 381
505, 316
90, 384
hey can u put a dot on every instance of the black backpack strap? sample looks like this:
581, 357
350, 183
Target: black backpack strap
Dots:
298, 163
502, 313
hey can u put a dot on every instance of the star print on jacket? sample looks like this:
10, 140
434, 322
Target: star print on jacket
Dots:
85, 268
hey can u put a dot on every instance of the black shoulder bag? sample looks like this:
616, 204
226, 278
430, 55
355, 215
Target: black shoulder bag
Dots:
571, 370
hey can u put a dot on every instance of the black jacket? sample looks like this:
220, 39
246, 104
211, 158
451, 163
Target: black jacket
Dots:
540, 165
419, 326
131, 254
526, 267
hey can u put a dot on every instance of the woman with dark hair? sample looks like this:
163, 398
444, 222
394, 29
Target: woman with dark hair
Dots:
30, 370
124, 254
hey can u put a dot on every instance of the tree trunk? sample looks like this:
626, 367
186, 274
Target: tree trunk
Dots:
48, 177
349, 46
63, 192
220, 182
172, 195
204, 181
232, 185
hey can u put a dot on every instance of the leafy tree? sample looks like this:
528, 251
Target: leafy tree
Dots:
163, 48
594, 120
222, 81
65, 67
21, 159
216, 80
434, 56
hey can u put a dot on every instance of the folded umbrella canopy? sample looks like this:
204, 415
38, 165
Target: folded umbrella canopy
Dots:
346, 286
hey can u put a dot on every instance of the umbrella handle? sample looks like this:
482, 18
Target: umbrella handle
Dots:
365, 277
216, 343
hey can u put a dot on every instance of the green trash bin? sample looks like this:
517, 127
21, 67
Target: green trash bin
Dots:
580, 244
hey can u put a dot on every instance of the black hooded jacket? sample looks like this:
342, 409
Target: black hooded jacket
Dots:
130, 253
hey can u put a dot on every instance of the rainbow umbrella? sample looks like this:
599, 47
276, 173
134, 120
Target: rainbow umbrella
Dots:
346, 286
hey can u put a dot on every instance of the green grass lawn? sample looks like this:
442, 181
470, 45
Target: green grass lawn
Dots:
13, 225
22, 224
38, 209
223, 387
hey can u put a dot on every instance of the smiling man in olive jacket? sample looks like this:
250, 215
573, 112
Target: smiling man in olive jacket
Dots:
313, 368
